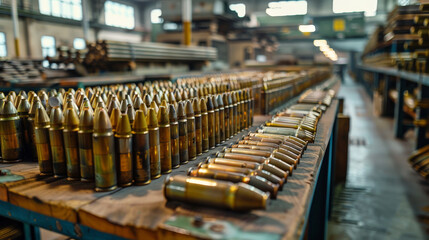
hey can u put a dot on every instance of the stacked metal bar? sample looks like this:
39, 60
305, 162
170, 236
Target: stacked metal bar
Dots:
100, 53
244, 175
120, 135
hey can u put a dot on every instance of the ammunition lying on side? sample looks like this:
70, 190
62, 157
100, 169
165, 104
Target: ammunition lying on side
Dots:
141, 151
251, 165
41, 136
262, 173
123, 150
256, 181
104, 152
237, 197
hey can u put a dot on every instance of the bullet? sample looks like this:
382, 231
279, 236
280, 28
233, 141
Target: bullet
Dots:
226, 116
147, 99
137, 102
56, 139
114, 118
221, 118
174, 134
251, 165
155, 158
266, 154
255, 181
192, 145
239, 115
164, 139
211, 122
10, 133
259, 159
183, 133
154, 106
231, 116
123, 150
104, 153
131, 114
141, 151
262, 173
217, 120
302, 134
23, 113
86, 129
124, 106
31, 117
215, 193
254, 147
144, 108
249, 107
41, 137
198, 126
204, 126
246, 109
71, 144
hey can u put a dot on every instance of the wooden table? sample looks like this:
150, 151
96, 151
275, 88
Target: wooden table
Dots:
74, 209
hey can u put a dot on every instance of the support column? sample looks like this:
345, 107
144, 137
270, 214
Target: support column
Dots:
187, 21
15, 26
85, 22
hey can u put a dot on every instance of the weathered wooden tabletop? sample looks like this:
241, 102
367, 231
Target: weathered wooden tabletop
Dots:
142, 212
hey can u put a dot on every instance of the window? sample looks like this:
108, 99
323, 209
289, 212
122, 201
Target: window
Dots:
48, 46
239, 8
71, 9
403, 2
3, 49
119, 15
79, 43
343, 6
155, 16
287, 8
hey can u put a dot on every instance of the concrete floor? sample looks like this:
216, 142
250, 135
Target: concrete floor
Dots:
383, 197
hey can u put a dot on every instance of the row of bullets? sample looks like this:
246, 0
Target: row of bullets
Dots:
244, 175
120, 135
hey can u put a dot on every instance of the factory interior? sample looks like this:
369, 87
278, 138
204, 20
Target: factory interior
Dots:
214, 119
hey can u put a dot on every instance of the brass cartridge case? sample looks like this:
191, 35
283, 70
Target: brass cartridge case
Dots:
71, 144
198, 126
211, 122
27, 139
262, 173
231, 115
10, 133
41, 137
155, 157
204, 125
174, 134
217, 120
86, 129
141, 151
164, 139
104, 153
256, 181
221, 118
183, 134
251, 165
56, 139
31, 118
192, 145
226, 116
258, 143
263, 140
236, 116
254, 147
123, 150
251, 158
215, 193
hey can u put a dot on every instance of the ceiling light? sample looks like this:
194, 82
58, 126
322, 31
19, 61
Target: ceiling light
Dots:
307, 28
320, 42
